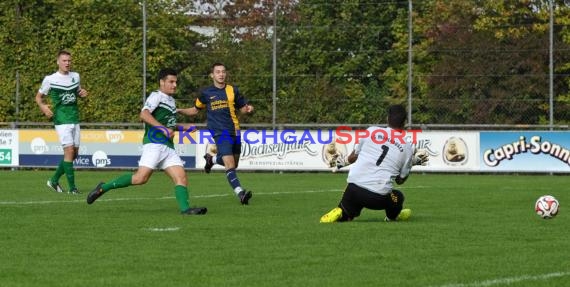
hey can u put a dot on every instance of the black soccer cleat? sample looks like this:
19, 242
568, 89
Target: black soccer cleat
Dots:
74, 191
244, 197
95, 193
54, 186
195, 211
209, 162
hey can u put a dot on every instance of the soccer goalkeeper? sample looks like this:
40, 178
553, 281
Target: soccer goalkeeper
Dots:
374, 168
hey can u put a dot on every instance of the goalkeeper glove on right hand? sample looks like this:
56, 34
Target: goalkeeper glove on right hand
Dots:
421, 157
341, 162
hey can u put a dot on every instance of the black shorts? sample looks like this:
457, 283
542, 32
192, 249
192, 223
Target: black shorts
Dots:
355, 198
228, 144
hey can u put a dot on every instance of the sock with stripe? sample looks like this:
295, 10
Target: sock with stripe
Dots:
231, 175
119, 182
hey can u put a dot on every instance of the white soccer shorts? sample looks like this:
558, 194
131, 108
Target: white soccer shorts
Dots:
159, 156
69, 134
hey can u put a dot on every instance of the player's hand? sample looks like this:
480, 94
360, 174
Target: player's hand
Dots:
248, 109
169, 133
341, 162
338, 162
46, 111
421, 157
83, 93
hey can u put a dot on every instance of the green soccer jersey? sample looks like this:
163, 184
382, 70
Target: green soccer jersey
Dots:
163, 109
63, 91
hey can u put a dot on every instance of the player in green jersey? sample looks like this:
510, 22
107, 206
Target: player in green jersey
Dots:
159, 117
63, 88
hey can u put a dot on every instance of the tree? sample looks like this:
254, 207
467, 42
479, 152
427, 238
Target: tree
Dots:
105, 38
342, 58
491, 62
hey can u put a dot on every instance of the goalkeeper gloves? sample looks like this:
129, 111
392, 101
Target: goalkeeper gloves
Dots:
341, 162
337, 162
420, 157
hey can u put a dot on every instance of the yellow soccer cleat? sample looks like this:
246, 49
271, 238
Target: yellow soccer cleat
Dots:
332, 216
404, 215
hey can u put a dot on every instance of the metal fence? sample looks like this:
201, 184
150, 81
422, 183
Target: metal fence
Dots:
477, 99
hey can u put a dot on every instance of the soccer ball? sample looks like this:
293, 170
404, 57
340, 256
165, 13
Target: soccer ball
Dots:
546, 206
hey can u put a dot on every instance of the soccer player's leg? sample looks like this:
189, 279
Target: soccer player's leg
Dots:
69, 171
150, 158
68, 156
53, 182
65, 166
348, 208
394, 209
122, 181
227, 150
210, 157
244, 195
174, 168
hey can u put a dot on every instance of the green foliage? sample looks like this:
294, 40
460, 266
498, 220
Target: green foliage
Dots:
105, 38
336, 57
491, 62
477, 62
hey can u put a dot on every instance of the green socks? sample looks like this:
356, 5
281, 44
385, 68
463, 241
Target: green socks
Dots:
69, 173
119, 182
58, 173
181, 193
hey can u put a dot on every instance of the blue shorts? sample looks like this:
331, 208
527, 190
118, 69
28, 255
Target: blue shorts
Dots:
228, 144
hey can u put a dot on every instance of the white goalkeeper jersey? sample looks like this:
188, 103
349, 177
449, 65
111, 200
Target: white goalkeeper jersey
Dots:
380, 161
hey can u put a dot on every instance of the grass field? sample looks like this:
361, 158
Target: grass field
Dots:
466, 230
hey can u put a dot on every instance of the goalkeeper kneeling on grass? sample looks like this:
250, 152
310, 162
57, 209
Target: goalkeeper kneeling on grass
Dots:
374, 169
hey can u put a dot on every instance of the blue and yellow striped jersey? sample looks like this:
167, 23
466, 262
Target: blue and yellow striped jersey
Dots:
222, 106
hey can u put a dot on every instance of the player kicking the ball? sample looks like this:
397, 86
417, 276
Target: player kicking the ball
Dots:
374, 167
159, 117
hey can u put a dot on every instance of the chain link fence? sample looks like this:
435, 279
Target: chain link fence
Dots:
462, 78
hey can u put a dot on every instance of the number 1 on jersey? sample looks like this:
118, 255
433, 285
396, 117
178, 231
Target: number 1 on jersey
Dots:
383, 155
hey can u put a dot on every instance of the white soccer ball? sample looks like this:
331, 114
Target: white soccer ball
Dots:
546, 206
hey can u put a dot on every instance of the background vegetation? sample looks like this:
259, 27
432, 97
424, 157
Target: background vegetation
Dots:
475, 62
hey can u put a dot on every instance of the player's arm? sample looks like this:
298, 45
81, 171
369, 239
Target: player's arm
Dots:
198, 106
418, 157
43, 106
149, 119
241, 103
188, 111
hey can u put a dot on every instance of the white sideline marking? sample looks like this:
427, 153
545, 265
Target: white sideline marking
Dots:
154, 198
82, 200
162, 229
508, 280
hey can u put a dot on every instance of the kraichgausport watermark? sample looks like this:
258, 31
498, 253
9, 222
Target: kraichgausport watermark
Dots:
341, 135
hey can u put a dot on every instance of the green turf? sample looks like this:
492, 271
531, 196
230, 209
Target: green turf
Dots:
466, 230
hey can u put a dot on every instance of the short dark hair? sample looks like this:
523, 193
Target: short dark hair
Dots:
396, 116
214, 65
63, 52
163, 73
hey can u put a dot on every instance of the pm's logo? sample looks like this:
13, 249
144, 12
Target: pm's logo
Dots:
100, 159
